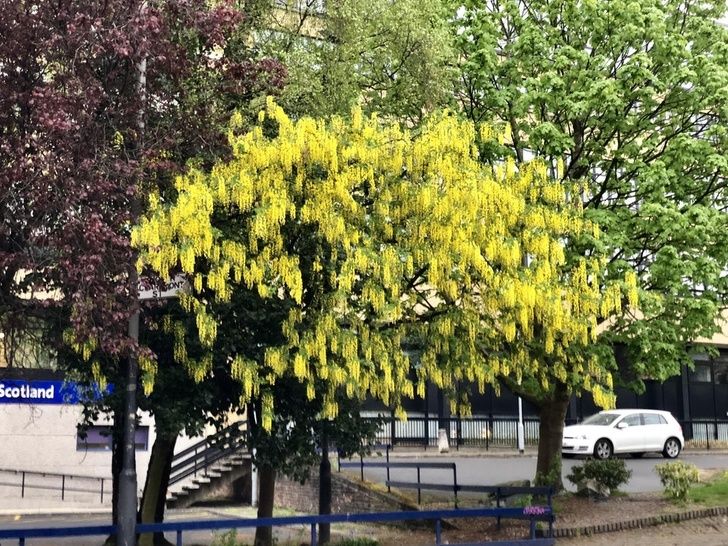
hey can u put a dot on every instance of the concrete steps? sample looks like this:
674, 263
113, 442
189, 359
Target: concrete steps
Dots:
225, 480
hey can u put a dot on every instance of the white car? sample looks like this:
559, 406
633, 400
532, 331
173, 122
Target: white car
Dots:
624, 431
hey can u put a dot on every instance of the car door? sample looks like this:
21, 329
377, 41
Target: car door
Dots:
628, 433
655, 430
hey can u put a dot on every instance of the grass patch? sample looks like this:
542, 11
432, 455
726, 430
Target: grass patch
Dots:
713, 493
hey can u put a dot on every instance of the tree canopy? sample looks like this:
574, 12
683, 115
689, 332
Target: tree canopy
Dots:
393, 58
379, 238
633, 96
73, 159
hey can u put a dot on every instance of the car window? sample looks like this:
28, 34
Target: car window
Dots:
600, 419
632, 420
653, 419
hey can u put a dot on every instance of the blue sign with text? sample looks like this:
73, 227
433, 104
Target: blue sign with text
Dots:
18, 391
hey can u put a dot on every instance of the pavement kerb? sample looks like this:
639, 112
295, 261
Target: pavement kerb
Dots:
408, 452
81, 511
637, 523
53, 511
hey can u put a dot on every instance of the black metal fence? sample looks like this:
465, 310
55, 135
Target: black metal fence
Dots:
491, 431
707, 433
476, 431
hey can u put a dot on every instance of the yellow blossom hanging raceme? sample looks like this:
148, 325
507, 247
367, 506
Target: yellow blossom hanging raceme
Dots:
375, 235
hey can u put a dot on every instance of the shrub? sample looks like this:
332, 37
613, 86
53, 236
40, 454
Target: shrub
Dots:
677, 477
607, 473
229, 538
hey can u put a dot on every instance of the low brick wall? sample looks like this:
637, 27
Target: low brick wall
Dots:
347, 496
638, 523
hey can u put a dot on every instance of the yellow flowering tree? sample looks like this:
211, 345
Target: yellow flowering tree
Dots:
376, 237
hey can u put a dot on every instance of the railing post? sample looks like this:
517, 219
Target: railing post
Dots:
361, 465
455, 482
497, 504
551, 515
533, 528
102, 491
63, 487
707, 435
419, 490
438, 532
715, 423
393, 429
179, 537
314, 540
389, 489
22, 487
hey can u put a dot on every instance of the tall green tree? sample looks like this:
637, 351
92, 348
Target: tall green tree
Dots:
633, 96
394, 58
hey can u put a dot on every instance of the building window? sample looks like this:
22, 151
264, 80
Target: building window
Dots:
98, 438
720, 370
25, 350
700, 374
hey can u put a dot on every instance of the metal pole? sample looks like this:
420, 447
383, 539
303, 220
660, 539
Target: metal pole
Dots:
419, 491
393, 429
314, 542
389, 489
521, 440
253, 480
455, 482
22, 487
324, 486
127, 509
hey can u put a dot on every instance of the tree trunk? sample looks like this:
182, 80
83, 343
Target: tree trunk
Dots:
324, 487
551, 429
266, 492
151, 509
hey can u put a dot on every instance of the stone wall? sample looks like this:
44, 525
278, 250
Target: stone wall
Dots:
348, 495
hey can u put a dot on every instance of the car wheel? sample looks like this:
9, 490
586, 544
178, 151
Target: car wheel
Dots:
603, 449
672, 448
637, 454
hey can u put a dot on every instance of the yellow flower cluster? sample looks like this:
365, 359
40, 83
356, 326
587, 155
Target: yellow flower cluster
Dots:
366, 228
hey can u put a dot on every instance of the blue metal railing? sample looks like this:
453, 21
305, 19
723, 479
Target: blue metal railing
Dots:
530, 513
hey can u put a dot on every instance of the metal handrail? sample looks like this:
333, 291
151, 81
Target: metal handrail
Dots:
63, 488
58, 474
202, 455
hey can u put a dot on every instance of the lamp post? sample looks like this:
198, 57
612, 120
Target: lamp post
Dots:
126, 533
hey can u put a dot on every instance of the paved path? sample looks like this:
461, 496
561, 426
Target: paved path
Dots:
698, 532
